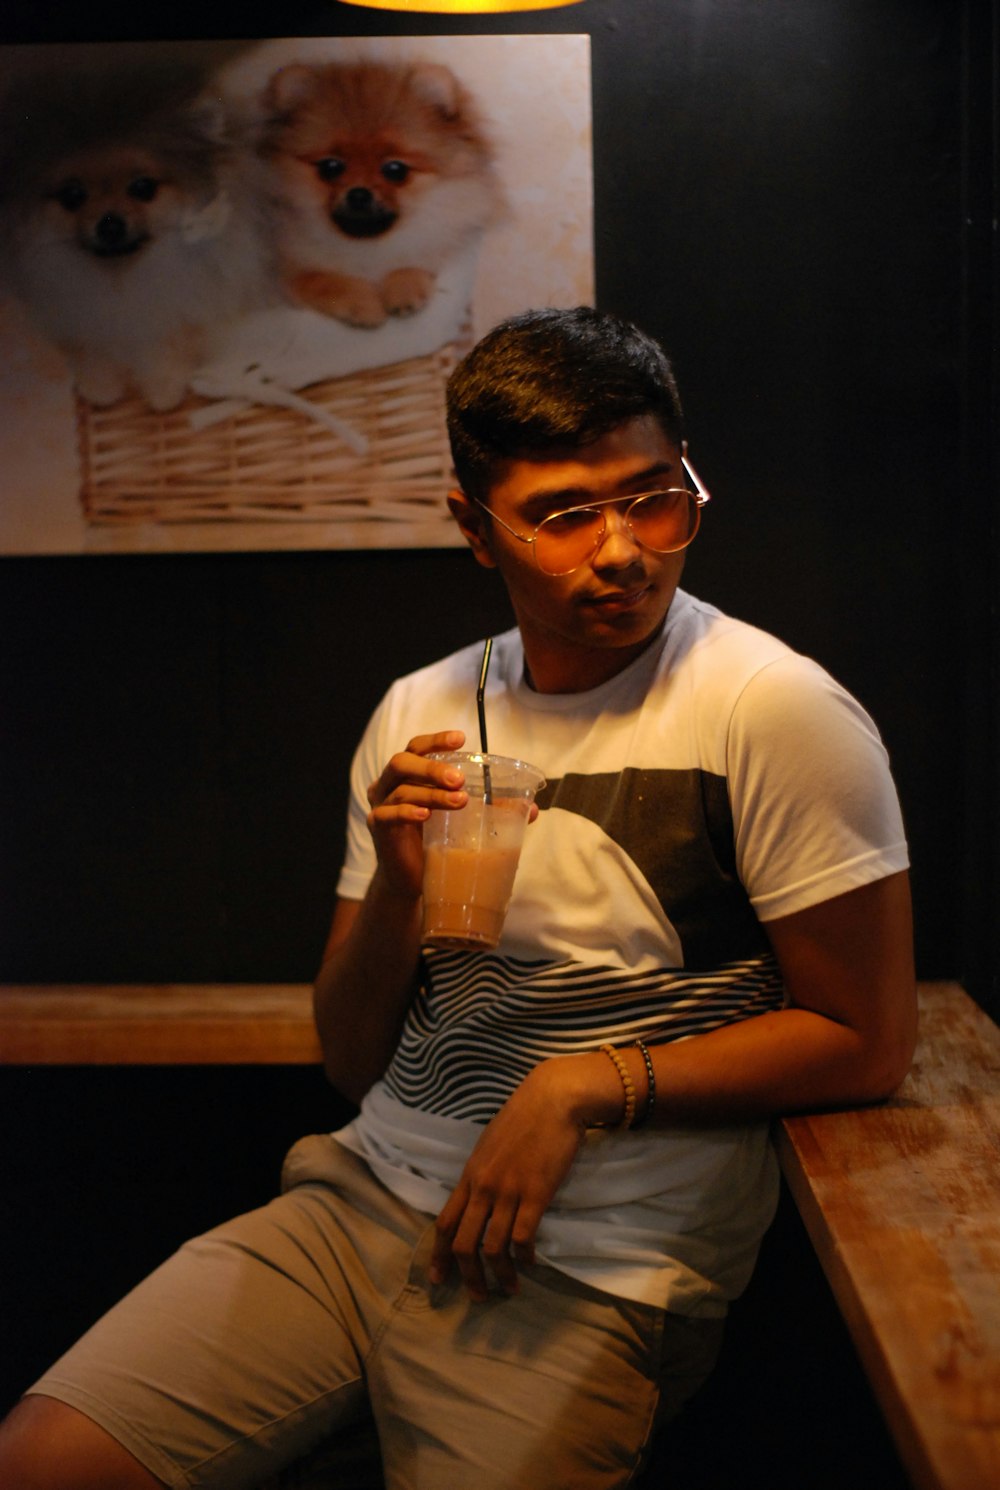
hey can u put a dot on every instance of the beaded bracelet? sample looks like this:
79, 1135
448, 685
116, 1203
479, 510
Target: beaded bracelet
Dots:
647, 1111
628, 1116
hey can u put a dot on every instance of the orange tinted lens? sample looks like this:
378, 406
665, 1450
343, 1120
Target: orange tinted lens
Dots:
665, 521
564, 540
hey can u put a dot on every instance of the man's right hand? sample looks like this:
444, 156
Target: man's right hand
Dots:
411, 787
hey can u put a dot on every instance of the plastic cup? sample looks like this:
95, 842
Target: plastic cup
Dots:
471, 853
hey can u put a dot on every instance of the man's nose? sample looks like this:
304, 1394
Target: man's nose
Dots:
618, 545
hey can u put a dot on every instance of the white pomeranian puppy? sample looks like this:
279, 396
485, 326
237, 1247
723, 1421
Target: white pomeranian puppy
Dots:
131, 224
382, 172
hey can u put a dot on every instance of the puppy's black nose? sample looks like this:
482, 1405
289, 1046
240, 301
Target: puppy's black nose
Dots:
359, 199
360, 214
111, 230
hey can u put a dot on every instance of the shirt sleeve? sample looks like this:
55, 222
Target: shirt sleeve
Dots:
815, 809
359, 858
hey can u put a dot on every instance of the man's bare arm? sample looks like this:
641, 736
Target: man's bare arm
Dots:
364, 987
370, 968
847, 1036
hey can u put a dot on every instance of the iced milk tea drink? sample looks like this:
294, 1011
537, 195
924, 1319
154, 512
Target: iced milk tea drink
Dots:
471, 853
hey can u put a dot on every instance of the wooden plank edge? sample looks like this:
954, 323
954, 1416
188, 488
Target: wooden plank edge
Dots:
154, 1043
915, 1452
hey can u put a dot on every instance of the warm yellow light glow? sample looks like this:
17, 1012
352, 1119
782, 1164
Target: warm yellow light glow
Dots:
462, 7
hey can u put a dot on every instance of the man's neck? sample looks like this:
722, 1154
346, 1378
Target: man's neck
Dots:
578, 670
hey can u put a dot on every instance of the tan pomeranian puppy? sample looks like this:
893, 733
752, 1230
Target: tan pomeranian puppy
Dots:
382, 172
130, 226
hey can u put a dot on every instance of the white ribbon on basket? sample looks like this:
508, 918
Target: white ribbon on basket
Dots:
253, 386
268, 355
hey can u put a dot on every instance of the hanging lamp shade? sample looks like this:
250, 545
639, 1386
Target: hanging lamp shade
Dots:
462, 7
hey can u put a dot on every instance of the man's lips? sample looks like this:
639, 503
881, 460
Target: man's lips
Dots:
618, 600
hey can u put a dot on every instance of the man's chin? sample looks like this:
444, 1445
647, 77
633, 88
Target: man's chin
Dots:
625, 623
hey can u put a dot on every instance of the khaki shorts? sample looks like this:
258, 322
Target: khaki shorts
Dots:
297, 1325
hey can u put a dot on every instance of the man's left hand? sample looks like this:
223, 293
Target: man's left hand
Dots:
512, 1174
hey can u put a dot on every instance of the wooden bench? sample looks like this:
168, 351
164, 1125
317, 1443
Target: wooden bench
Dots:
901, 1201
154, 1024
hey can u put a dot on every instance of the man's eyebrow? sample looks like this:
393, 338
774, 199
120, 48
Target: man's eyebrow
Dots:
580, 496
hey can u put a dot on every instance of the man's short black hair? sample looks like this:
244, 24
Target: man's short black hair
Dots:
547, 379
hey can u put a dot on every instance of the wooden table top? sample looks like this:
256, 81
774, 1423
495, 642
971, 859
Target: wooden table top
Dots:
902, 1203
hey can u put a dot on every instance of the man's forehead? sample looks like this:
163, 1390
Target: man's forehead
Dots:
619, 456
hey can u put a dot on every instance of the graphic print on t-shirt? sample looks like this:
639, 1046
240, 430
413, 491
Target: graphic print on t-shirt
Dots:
483, 1020
677, 828
488, 1020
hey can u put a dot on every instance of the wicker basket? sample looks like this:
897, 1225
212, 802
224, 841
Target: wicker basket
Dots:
266, 464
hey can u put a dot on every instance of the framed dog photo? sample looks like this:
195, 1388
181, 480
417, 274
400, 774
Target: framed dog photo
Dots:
234, 278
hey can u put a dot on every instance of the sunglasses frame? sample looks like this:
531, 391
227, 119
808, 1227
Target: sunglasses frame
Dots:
696, 490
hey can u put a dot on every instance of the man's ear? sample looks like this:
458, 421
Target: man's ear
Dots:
474, 525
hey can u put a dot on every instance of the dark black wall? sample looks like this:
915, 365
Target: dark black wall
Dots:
779, 196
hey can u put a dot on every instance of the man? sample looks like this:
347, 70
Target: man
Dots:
520, 1254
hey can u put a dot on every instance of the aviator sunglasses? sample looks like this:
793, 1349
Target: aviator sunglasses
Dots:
663, 521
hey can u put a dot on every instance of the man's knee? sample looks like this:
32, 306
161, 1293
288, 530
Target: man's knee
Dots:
47, 1445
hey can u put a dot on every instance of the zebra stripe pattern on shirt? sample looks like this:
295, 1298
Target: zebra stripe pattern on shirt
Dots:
481, 1022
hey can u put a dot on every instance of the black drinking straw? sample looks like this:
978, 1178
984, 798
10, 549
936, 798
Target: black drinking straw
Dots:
484, 669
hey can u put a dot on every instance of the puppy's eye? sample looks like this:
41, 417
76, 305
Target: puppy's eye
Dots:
143, 188
329, 168
395, 171
71, 195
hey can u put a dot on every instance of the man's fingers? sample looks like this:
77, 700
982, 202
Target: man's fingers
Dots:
470, 1233
522, 1242
445, 1228
410, 776
447, 739
477, 1236
496, 1250
465, 1247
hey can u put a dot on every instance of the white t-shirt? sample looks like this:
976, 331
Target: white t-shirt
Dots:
718, 782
